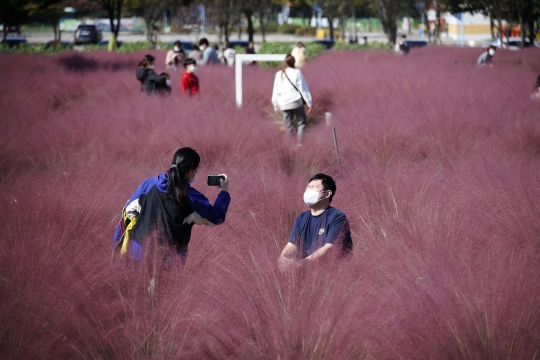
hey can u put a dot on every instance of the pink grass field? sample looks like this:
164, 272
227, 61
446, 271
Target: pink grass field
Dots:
439, 178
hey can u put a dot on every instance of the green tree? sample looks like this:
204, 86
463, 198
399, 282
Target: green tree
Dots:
52, 10
388, 12
114, 12
12, 12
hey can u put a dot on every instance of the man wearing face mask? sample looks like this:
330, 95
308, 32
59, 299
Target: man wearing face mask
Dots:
209, 53
320, 230
487, 57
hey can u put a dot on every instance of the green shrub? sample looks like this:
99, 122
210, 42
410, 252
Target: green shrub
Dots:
313, 50
306, 31
375, 45
271, 27
239, 49
274, 48
287, 29
34, 49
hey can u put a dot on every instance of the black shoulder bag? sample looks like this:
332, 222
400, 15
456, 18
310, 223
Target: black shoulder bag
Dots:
303, 101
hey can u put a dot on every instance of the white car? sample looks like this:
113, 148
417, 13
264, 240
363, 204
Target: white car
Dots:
513, 43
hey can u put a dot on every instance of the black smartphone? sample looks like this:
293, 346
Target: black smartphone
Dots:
214, 180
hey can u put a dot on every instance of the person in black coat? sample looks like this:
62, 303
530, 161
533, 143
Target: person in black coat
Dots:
150, 81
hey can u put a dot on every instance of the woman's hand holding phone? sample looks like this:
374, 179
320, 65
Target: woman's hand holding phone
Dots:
224, 183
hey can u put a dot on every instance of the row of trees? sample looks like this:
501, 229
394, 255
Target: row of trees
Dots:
227, 14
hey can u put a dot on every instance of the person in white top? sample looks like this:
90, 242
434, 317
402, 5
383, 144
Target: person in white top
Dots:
299, 53
229, 55
289, 96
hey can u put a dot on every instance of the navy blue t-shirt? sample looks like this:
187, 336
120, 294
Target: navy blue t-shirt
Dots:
312, 232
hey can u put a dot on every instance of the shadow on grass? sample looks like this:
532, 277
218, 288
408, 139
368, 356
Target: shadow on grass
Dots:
81, 64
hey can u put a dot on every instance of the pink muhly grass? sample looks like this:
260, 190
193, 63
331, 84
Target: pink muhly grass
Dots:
439, 181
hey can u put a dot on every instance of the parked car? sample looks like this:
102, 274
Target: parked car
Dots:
12, 29
86, 34
242, 43
416, 43
326, 42
513, 43
14, 41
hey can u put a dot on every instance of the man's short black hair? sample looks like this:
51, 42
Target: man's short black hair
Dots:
327, 182
203, 41
189, 61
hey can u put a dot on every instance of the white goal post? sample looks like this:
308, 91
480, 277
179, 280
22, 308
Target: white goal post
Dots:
239, 58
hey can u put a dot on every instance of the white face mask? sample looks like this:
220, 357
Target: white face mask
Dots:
176, 49
311, 197
151, 66
168, 82
491, 52
192, 180
194, 69
201, 48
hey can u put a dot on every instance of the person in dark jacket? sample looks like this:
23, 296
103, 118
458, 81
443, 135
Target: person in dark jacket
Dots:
150, 81
167, 206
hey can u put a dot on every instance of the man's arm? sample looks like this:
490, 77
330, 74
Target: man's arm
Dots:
326, 249
289, 251
287, 259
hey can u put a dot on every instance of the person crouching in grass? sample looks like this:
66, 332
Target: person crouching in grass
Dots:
318, 231
190, 81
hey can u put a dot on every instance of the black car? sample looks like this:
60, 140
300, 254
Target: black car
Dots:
14, 41
12, 29
242, 43
87, 34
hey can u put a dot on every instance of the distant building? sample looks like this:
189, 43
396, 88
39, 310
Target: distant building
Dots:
475, 26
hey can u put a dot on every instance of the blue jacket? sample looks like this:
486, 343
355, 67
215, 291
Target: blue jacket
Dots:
154, 211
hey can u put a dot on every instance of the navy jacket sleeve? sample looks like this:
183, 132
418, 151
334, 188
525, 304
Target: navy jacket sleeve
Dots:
213, 213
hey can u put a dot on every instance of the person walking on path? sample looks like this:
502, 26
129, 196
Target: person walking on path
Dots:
289, 95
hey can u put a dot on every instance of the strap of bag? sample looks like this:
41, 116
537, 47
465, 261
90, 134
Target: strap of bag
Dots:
304, 101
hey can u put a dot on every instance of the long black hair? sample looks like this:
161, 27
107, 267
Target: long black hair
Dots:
184, 160
147, 60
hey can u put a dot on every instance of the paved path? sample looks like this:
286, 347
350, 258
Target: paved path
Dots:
43, 37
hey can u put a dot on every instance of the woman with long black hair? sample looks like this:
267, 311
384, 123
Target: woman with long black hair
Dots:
150, 81
168, 205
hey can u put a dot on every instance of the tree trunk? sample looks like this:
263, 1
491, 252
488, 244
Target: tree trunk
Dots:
250, 31
263, 28
331, 27
355, 29
530, 22
491, 25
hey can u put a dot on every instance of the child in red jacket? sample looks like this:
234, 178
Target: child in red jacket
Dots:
190, 82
